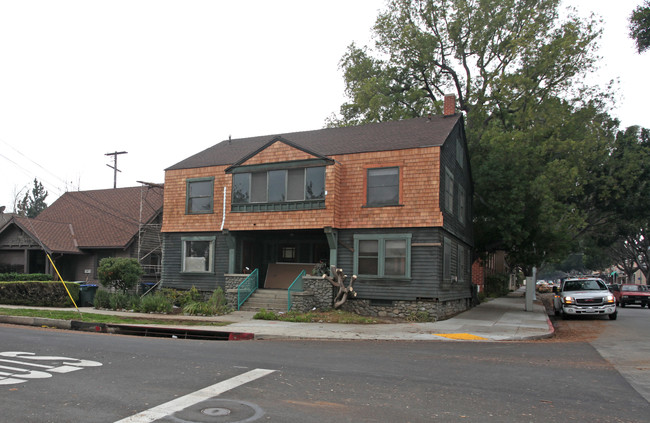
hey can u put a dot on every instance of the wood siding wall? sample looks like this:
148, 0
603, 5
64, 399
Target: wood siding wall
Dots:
345, 201
426, 268
171, 264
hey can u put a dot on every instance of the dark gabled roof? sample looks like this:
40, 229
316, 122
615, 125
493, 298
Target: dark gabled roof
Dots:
385, 136
56, 237
107, 218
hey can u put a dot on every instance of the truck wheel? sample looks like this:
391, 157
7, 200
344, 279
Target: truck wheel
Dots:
613, 316
622, 304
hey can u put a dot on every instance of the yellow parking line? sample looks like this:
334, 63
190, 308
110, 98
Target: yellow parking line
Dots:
461, 336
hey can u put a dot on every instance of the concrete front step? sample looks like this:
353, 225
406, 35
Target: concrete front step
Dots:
268, 299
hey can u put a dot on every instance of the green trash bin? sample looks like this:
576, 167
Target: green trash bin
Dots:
87, 295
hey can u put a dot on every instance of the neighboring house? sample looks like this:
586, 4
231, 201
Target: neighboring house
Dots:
390, 202
82, 227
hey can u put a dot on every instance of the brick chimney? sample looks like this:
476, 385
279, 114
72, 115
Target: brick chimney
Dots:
449, 105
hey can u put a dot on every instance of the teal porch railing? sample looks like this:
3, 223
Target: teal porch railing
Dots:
296, 286
247, 287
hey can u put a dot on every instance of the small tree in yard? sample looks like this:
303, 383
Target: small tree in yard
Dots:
119, 273
338, 280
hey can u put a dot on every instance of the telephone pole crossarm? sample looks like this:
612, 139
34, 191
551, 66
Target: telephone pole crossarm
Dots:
114, 167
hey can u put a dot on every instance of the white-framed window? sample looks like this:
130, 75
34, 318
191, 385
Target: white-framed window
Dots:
382, 255
198, 254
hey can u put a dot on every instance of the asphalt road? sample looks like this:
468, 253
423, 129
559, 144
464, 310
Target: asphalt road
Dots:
130, 379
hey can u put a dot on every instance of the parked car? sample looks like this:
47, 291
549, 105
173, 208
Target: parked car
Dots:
584, 296
634, 294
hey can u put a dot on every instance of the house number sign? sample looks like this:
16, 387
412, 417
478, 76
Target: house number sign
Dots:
19, 367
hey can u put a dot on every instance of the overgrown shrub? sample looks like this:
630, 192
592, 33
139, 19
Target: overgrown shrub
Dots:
156, 303
102, 299
44, 294
216, 305
124, 301
181, 298
119, 273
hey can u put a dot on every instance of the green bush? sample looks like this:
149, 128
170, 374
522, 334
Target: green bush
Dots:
119, 273
265, 314
497, 285
25, 277
44, 294
216, 305
156, 303
102, 299
124, 301
181, 298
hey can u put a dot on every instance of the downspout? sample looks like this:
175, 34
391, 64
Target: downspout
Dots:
223, 219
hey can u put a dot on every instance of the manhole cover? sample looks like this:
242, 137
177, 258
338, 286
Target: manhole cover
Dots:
215, 411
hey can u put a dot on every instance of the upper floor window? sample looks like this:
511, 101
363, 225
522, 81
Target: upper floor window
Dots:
278, 186
383, 187
449, 191
461, 204
199, 197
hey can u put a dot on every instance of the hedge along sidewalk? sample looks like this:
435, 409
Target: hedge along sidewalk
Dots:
38, 293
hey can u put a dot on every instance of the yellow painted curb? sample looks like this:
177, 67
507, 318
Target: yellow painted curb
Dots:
463, 336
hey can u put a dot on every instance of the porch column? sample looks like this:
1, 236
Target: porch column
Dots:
231, 244
26, 260
332, 240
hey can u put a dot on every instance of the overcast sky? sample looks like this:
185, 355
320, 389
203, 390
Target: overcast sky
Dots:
164, 80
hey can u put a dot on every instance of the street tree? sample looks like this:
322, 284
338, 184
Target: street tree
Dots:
535, 132
33, 202
640, 26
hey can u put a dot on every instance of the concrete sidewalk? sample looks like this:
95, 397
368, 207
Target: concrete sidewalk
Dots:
499, 319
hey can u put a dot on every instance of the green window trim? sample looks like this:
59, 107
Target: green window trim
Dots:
199, 196
191, 261
296, 188
384, 258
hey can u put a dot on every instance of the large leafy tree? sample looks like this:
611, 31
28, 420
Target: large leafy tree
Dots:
536, 134
33, 202
640, 26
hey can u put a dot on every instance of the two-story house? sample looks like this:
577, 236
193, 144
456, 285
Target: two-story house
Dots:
389, 202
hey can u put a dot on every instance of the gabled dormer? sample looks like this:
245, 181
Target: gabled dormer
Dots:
279, 176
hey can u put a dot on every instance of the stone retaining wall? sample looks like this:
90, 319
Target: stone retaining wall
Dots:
430, 310
319, 293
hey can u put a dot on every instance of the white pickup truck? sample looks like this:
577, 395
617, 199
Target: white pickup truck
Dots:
584, 296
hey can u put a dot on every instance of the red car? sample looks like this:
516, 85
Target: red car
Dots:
634, 294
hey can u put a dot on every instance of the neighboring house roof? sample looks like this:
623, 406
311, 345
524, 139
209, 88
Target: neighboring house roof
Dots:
411, 133
107, 218
5, 218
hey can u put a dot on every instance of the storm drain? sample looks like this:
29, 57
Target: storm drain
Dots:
162, 332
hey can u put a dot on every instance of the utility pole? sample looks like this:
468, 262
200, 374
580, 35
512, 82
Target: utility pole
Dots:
114, 167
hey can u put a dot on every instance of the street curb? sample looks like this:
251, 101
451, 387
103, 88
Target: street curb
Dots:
77, 325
